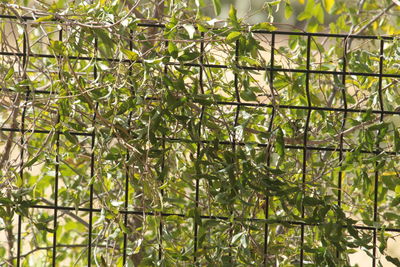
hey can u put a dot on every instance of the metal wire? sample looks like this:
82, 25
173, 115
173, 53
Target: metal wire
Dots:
233, 143
56, 176
197, 185
92, 173
269, 148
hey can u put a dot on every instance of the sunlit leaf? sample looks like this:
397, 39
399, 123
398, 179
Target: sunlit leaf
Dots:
130, 54
217, 6
190, 30
233, 36
328, 5
264, 26
288, 10
280, 143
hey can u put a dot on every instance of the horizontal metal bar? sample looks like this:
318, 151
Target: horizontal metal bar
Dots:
219, 66
353, 110
333, 35
18, 54
289, 145
211, 217
25, 91
301, 147
175, 140
159, 25
18, 130
249, 104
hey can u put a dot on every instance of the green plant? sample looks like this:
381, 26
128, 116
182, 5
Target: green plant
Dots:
161, 137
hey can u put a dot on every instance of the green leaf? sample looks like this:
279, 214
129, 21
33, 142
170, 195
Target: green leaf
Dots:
236, 237
303, 16
280, 143
31, 162
248, 95
274, 3
201, 28
250, 61
116, 203
395, 202
243, 241
173, 49
288, 10
3, 213
2, 252
395, 261
125, 105
103, 35
43, 227
123, 227
309, 6
58, 47
263, 26
318, 12
9, 74
275, 171
308, 11
217, 6
5, 201
328, 5
190, 30
396, 140
131, 55
105, 40
19, 181
379, 126
71, 138
189, 56
233, 36
312, 201
203, 99
232, 13
352, 231
45, 18
388, 181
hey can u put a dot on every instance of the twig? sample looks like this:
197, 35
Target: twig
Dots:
374, 19
69, 213
58, 245
97, 25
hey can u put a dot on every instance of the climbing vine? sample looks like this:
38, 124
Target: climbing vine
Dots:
145, 133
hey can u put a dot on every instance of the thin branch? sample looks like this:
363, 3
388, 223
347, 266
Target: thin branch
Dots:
93, 25
375, 19
67, 212
59, 246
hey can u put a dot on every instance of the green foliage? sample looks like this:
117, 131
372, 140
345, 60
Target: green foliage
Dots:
119, 105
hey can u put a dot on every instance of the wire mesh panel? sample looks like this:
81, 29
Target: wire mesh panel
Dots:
259, 148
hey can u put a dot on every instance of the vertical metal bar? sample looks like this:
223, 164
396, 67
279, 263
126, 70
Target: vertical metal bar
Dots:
124, 253
126, 202
201, 83
271, 122
57, 167
341, 138
304, 167
22, 141
161, 226
376, 182
341, 153
92, 159
237, 96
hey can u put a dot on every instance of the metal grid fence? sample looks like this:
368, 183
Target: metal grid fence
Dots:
303, 145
